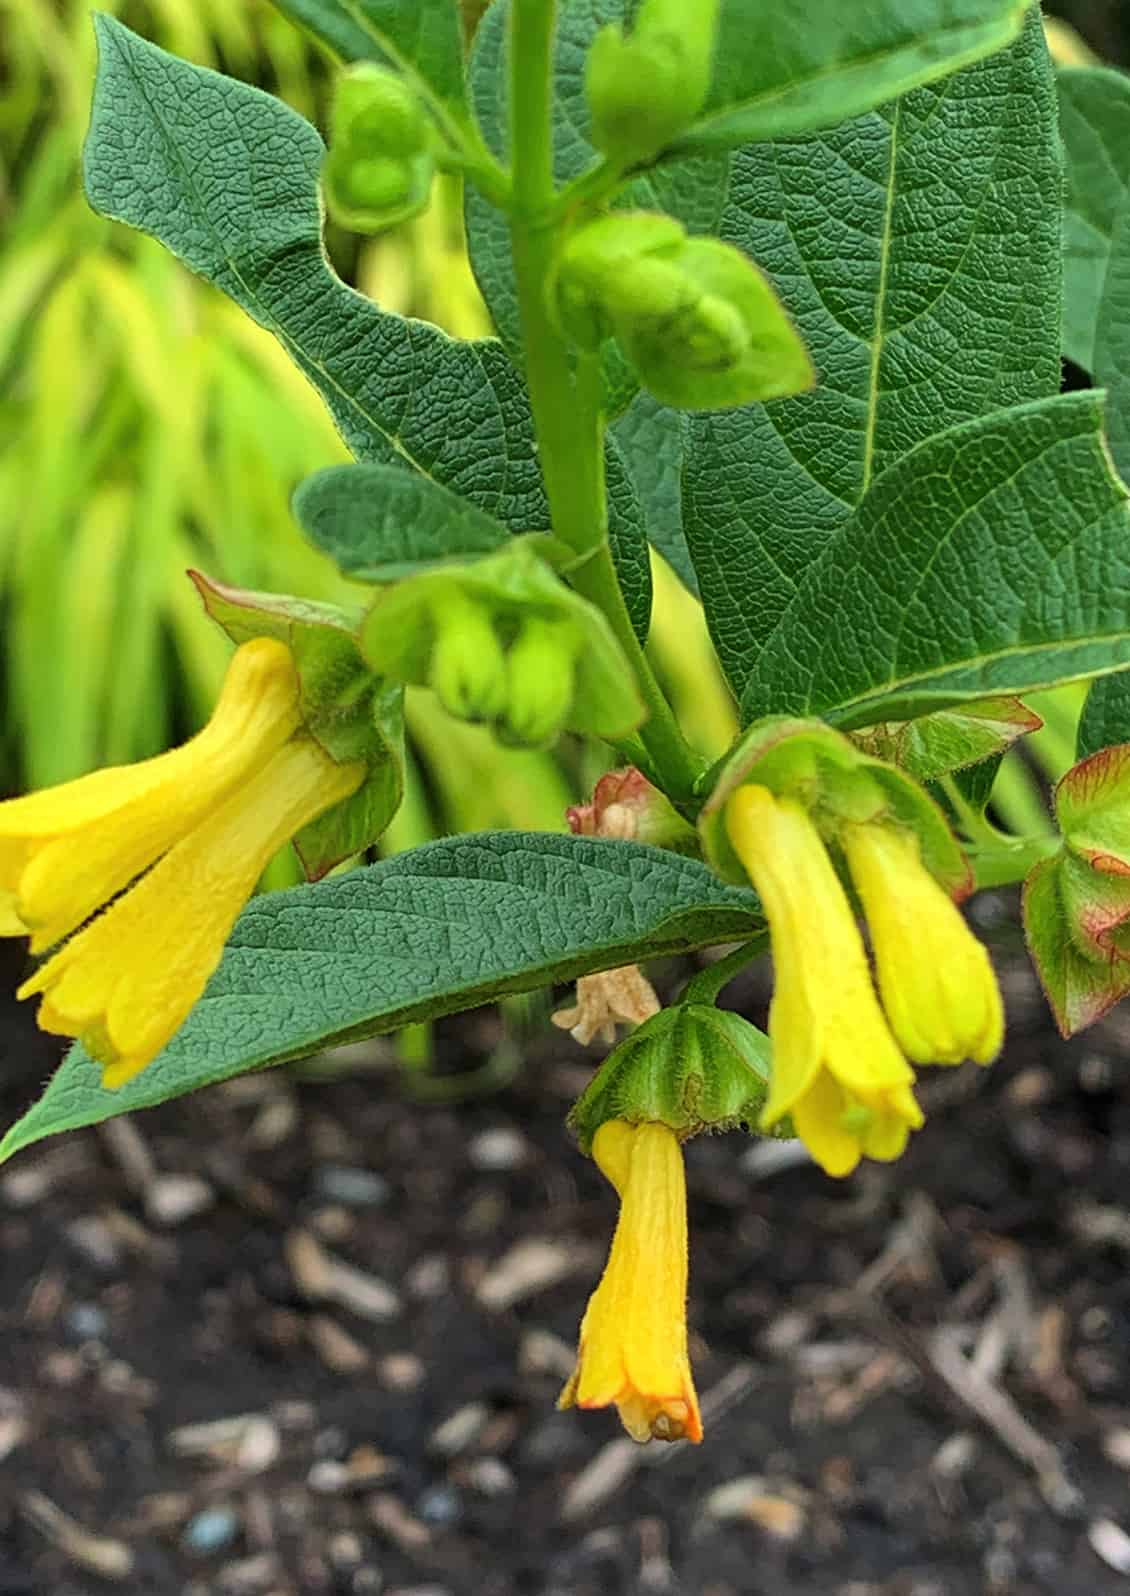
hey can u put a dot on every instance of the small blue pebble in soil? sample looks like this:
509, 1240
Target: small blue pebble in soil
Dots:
86, 1322
211, 1530
353, 1188
440, 1505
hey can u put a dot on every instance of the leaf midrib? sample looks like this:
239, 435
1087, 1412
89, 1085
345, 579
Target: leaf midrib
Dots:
1007, 28
878, 337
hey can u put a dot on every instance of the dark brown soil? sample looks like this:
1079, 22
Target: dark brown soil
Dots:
916, 1382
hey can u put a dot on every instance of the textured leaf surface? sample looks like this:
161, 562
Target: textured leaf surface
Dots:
380, 524
918, 250
797, 65
693, 189
226, 177
442, 928
1094, 118
993, 559
1080, 990
952, 739
1105, 720
651, 440
419, 37
1112, 342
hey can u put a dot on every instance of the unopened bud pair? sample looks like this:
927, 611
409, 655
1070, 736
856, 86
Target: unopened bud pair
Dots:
381, 160
502, 640
700, 323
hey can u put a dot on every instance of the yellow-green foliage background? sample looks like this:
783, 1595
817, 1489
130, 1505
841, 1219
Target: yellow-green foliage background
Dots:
146, 425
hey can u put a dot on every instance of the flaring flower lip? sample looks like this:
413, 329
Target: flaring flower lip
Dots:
126, 983
69, 849
633, 1341
836, 1066
188, 834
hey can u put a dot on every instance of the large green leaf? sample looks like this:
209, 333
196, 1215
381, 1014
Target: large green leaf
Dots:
1112, 341
438, 929
650, 436
693, 189
918, 249
993, 559
1105, 720
227, 178
1094, 118
790, 66
380, 524
420, 38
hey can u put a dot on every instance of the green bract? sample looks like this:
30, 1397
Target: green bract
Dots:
839, 782
351, 711
502, 639
691, 1067
647, 86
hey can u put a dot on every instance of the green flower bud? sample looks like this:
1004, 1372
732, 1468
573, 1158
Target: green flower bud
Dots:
376, 113
468, 670
691, 1067
539, 681
380, 163
701, 325
379, 184
730, 344
646, 87
588, 291
452, 625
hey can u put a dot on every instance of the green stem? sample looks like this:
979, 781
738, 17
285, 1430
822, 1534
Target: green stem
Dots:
1010, 860
973, 822
706, 986
566, 405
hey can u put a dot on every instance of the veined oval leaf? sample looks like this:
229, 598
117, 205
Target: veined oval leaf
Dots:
442, 928
1094, 119
797, 65
1105, 720
380, 524
918, 250
993, 559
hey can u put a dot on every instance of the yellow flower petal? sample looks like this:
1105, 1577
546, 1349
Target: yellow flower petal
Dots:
13, 858
10, 923
836, 1067
936, 979
633, 1340
126, 983
68, 849
822, 1122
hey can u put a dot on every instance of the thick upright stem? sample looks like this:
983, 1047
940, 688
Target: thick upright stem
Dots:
566, 411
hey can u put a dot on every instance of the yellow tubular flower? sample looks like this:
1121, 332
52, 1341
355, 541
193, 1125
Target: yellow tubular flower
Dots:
633, 1340
126, 983
936, 979
68, 849
836, 1067
197, 826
